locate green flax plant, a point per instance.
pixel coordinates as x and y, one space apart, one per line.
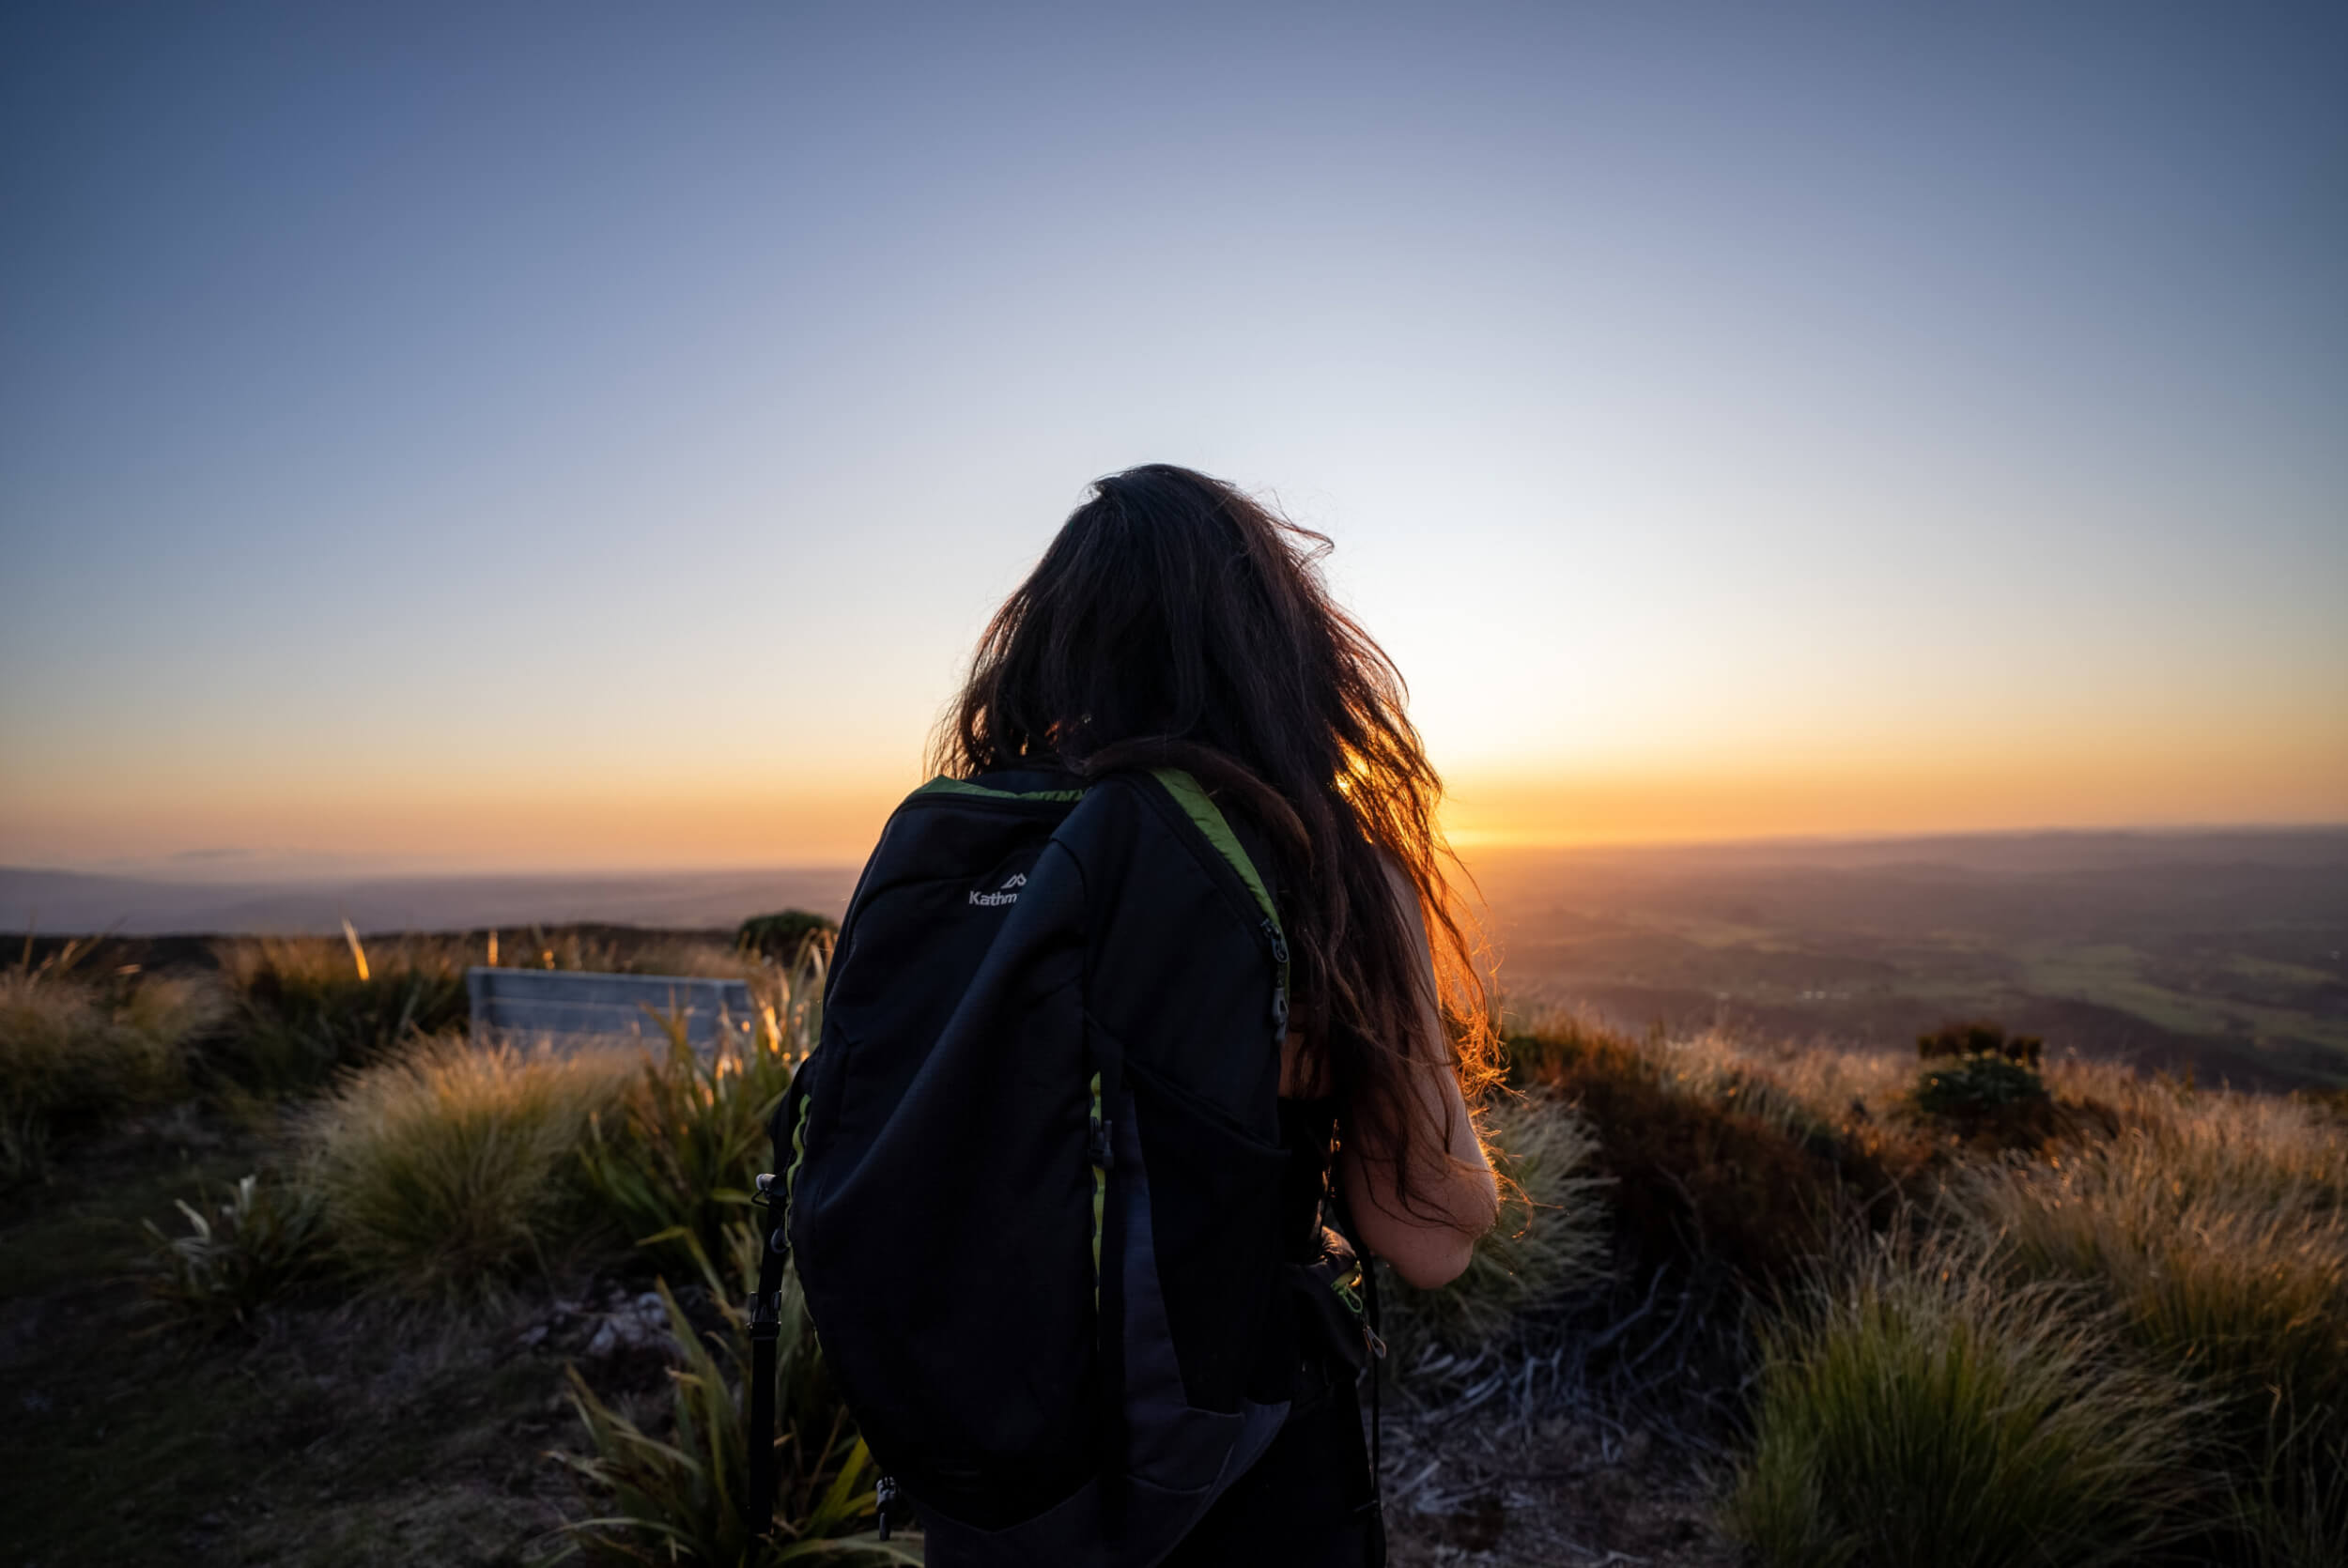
237 1254
678 1496
674 1161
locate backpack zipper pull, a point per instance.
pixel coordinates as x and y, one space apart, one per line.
884 1498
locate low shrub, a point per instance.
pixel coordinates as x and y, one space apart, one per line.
1549 1243
1980 1037
311 1008
1987 1096
786 936
74 1049
446 1169
262 1240
678 1496
1927 1412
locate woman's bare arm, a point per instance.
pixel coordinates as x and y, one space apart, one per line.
1430 1242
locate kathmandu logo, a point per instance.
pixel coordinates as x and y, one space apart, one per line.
1004 894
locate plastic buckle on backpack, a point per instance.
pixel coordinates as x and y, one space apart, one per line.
1097 1145
765 1319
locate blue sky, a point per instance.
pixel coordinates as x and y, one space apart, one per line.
563 435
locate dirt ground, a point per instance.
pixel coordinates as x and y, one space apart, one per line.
358 1434
1562 1492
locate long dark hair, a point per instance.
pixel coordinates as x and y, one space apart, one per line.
1176 620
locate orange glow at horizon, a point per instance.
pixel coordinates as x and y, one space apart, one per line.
651 821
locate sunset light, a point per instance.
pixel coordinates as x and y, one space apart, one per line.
1728 433
1247 784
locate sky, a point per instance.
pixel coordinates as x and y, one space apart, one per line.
566 437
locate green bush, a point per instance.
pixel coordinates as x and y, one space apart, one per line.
1550 1242
1980 1037
678 1496
1928 1412
1986 1095
786 936
261 1242
309 1008
446 1170
75 1049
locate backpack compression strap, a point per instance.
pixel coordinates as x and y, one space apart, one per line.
765 1324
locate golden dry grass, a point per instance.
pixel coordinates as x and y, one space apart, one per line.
446 1171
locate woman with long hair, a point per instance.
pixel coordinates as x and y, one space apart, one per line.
1176 623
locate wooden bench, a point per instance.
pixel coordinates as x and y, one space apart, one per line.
566 1006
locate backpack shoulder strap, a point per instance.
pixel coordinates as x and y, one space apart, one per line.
1199 807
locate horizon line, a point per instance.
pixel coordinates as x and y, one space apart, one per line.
163 870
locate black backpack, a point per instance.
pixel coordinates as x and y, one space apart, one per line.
1032 1172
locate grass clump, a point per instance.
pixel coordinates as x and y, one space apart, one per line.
2226 1259
446 1170
678 1496
311 1008
1926 1412
1550 1242
75 1049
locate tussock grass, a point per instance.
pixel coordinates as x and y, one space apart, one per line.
75 1048
2219 1242
1923 1410
1549 1243
446 1170
1799 1090
311 1008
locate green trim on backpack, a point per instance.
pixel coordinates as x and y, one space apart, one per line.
944 785
798 1158
1202 808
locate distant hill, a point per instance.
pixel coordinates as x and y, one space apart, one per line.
2221 953
67 901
